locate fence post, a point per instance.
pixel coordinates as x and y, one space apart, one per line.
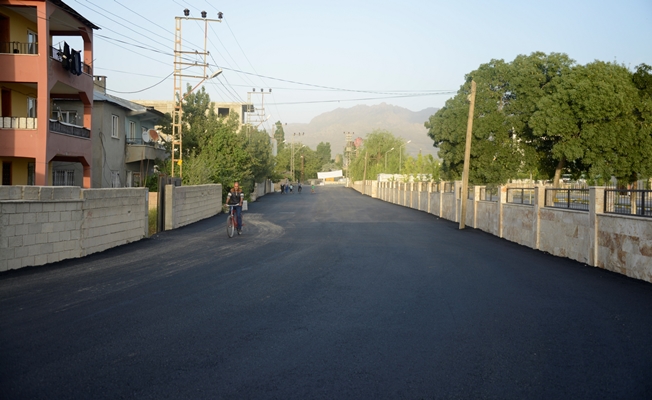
476 198
458 200
502 193
596 207
539 204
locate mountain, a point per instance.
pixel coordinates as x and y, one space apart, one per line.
362 119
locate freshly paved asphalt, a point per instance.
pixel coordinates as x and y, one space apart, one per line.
333 295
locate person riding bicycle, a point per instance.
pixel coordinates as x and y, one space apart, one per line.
235 199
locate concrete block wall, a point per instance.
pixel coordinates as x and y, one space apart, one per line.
113 217
620 243
39 225
188 204
42 224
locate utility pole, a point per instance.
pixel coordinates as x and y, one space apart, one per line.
256 115
348 149
364 176
292 152
467 157
179 65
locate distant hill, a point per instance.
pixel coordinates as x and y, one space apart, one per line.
362 119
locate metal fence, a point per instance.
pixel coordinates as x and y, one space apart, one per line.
575 199
489 193
520 196
630 202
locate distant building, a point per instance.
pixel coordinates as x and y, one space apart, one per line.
221 109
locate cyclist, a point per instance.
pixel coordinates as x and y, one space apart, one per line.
235 198
299 189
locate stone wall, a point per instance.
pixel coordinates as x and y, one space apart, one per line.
620 243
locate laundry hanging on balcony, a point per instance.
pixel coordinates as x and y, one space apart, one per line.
71 59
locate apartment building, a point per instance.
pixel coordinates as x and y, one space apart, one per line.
33 72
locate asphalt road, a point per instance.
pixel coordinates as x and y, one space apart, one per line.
333 295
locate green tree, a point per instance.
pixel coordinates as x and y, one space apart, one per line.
279 135
324 152
590 120
421 167
377 146
502 144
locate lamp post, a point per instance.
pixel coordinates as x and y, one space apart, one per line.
386 157
400 154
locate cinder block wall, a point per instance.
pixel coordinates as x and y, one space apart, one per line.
187 204
113 217
41 224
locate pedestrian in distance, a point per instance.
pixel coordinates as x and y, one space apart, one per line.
282 188
299 189
291 187
312 188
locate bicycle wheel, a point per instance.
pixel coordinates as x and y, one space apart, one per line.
230 226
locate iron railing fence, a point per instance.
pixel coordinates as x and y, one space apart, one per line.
520 196
489 193
630 202
62 127
574 199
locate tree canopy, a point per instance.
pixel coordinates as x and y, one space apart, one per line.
541 115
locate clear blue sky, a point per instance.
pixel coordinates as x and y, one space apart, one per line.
368 48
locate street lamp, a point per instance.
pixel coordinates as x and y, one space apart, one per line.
386 158
400 154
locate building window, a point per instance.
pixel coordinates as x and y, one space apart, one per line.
114 126
6 173
63 178
31 107
69 117
31 173
223 112
115 179
32 42
132 132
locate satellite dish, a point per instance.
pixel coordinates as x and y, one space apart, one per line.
146 137
153 135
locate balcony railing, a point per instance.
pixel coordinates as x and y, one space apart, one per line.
140 141
68 129
18 48
17 123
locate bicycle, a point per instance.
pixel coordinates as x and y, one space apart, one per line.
232 221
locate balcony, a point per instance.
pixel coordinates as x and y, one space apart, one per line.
17 123
138 150
18 48
69 129
57 55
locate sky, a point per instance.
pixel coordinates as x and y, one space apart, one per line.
319 56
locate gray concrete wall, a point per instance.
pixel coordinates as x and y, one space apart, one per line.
187 204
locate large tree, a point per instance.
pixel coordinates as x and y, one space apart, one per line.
377 145
590 122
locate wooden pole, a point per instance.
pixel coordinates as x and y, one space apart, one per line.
364 175
467 157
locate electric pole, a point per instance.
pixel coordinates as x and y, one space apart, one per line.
467 157
179 65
